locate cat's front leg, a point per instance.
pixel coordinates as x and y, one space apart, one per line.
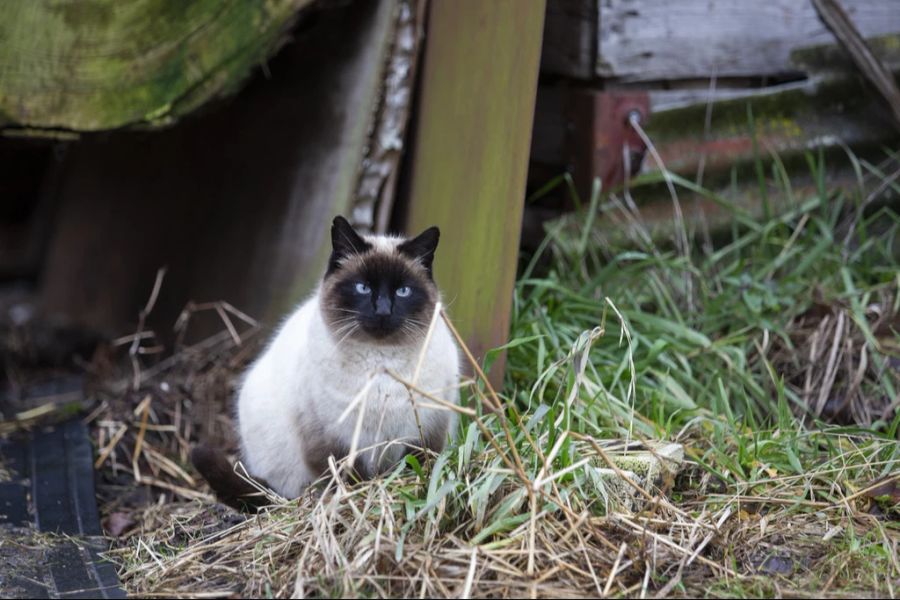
433 437
319 446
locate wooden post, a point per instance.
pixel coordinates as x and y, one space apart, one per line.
470 155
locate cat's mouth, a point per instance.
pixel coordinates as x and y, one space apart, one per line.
385 329
380 329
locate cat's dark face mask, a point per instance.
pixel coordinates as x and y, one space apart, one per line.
384 295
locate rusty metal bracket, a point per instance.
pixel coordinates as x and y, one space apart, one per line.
598 136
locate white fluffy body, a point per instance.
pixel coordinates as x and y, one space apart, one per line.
305 381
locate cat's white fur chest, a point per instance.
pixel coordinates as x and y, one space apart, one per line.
296 392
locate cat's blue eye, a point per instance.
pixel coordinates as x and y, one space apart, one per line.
362 288
404 292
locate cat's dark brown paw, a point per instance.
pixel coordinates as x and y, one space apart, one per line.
230 488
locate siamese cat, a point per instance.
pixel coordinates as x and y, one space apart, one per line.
337 355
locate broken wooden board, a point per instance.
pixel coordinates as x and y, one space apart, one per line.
833 109
104 64
470 155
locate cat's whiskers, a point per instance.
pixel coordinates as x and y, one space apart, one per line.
340 329
412 331
339 323
339 333
346 327
354 327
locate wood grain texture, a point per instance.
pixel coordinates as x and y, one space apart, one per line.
99 64
820 63
788 121
470 156
645 40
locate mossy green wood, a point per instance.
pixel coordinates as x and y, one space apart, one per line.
471 150
88 65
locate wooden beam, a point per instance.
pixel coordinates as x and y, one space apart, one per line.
105 64
470 154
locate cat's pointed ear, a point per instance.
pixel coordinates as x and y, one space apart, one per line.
422 247
344 242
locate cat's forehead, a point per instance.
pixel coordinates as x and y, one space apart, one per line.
383 243
381 263
382 260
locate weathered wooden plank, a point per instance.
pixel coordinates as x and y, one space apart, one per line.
827 110
709 91
101 64
716 146
819 62
645 40
787 121
470 154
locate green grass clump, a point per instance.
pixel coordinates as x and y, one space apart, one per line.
770 352
712 331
